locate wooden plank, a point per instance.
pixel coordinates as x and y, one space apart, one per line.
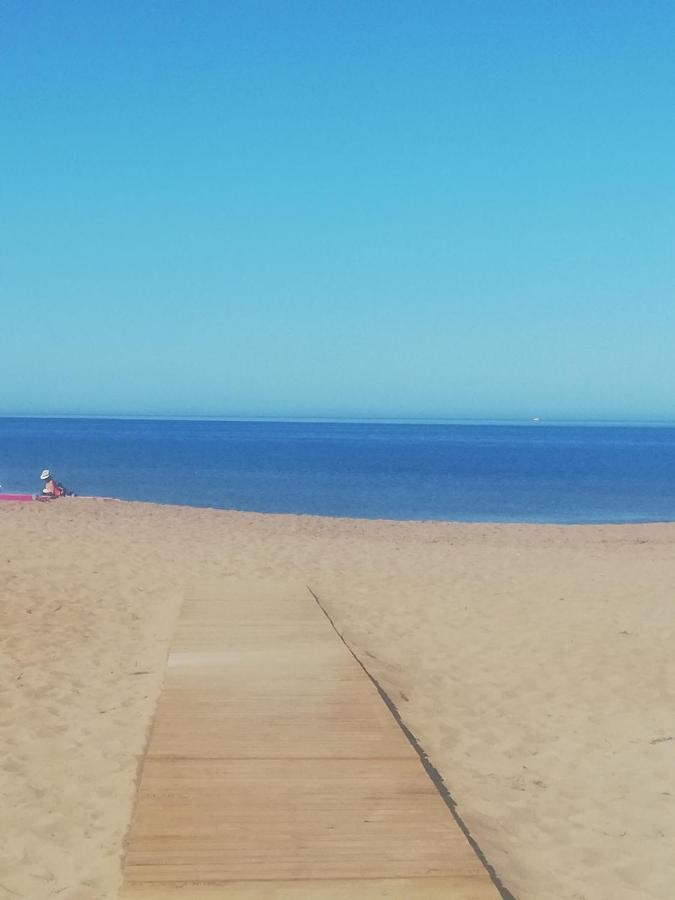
301 818
315 700
275 770
265 727
427 888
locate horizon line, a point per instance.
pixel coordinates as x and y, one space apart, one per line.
384 420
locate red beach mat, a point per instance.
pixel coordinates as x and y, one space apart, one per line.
18 498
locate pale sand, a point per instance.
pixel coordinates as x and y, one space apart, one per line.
533 663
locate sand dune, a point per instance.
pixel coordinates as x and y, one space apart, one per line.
534 664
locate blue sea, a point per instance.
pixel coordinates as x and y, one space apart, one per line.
483 472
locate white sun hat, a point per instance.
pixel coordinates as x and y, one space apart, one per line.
45 475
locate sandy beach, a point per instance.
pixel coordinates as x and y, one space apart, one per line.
533 663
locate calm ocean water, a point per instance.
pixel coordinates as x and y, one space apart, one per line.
481 472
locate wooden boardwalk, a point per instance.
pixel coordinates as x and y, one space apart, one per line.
275 770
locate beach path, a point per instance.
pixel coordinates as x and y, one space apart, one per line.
275 770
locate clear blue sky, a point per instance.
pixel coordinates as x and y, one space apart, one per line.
447 209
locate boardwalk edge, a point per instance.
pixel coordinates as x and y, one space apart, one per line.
431 770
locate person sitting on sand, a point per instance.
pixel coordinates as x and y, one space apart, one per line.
51 487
